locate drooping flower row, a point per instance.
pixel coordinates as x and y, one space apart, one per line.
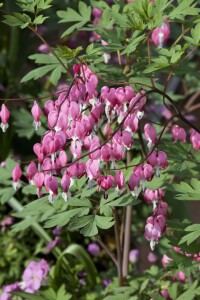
100 127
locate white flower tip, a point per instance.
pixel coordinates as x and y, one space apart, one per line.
16 185
4 127
36 125
66 196
152 245
140 114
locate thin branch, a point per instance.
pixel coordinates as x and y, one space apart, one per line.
192 100
118 245
51 49
107 250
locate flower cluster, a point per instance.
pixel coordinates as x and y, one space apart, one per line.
156 224
74 121
32 279
34 275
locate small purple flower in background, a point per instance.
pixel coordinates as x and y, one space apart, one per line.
134 256
6 222
33 276
8 288
82 281
106 282
57 230
93 249
152 258
52 244
43 48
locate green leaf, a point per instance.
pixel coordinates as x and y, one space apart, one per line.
62 294
55 75
38 73
43 5
156 182
39 20
79 202
6 172
195 32
104 222
67 53
186 7
133 45
23 121
144 285
193 290
70 15
173 290
51 65
6 194
28 296
23 224
188 191
91 228
192 236
81 255
17 19
124 201
29 190
63 218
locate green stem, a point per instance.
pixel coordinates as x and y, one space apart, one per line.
118 245
51 49
127 231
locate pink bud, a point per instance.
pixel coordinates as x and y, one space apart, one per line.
165 260
178 134
152 234
36 113
105 152
76 149
120 179
160 35
47 167
180 275
4 115
129 91
195 139
38 149
158 160
161 209
106 182
134 182
76 68
150 135
51 185
96 12
65 182
165 294
39 180
16 175
31 171
49 106
154 228
92 169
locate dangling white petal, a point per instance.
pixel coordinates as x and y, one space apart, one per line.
140 114
152 245
66 196
36 124
4 127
